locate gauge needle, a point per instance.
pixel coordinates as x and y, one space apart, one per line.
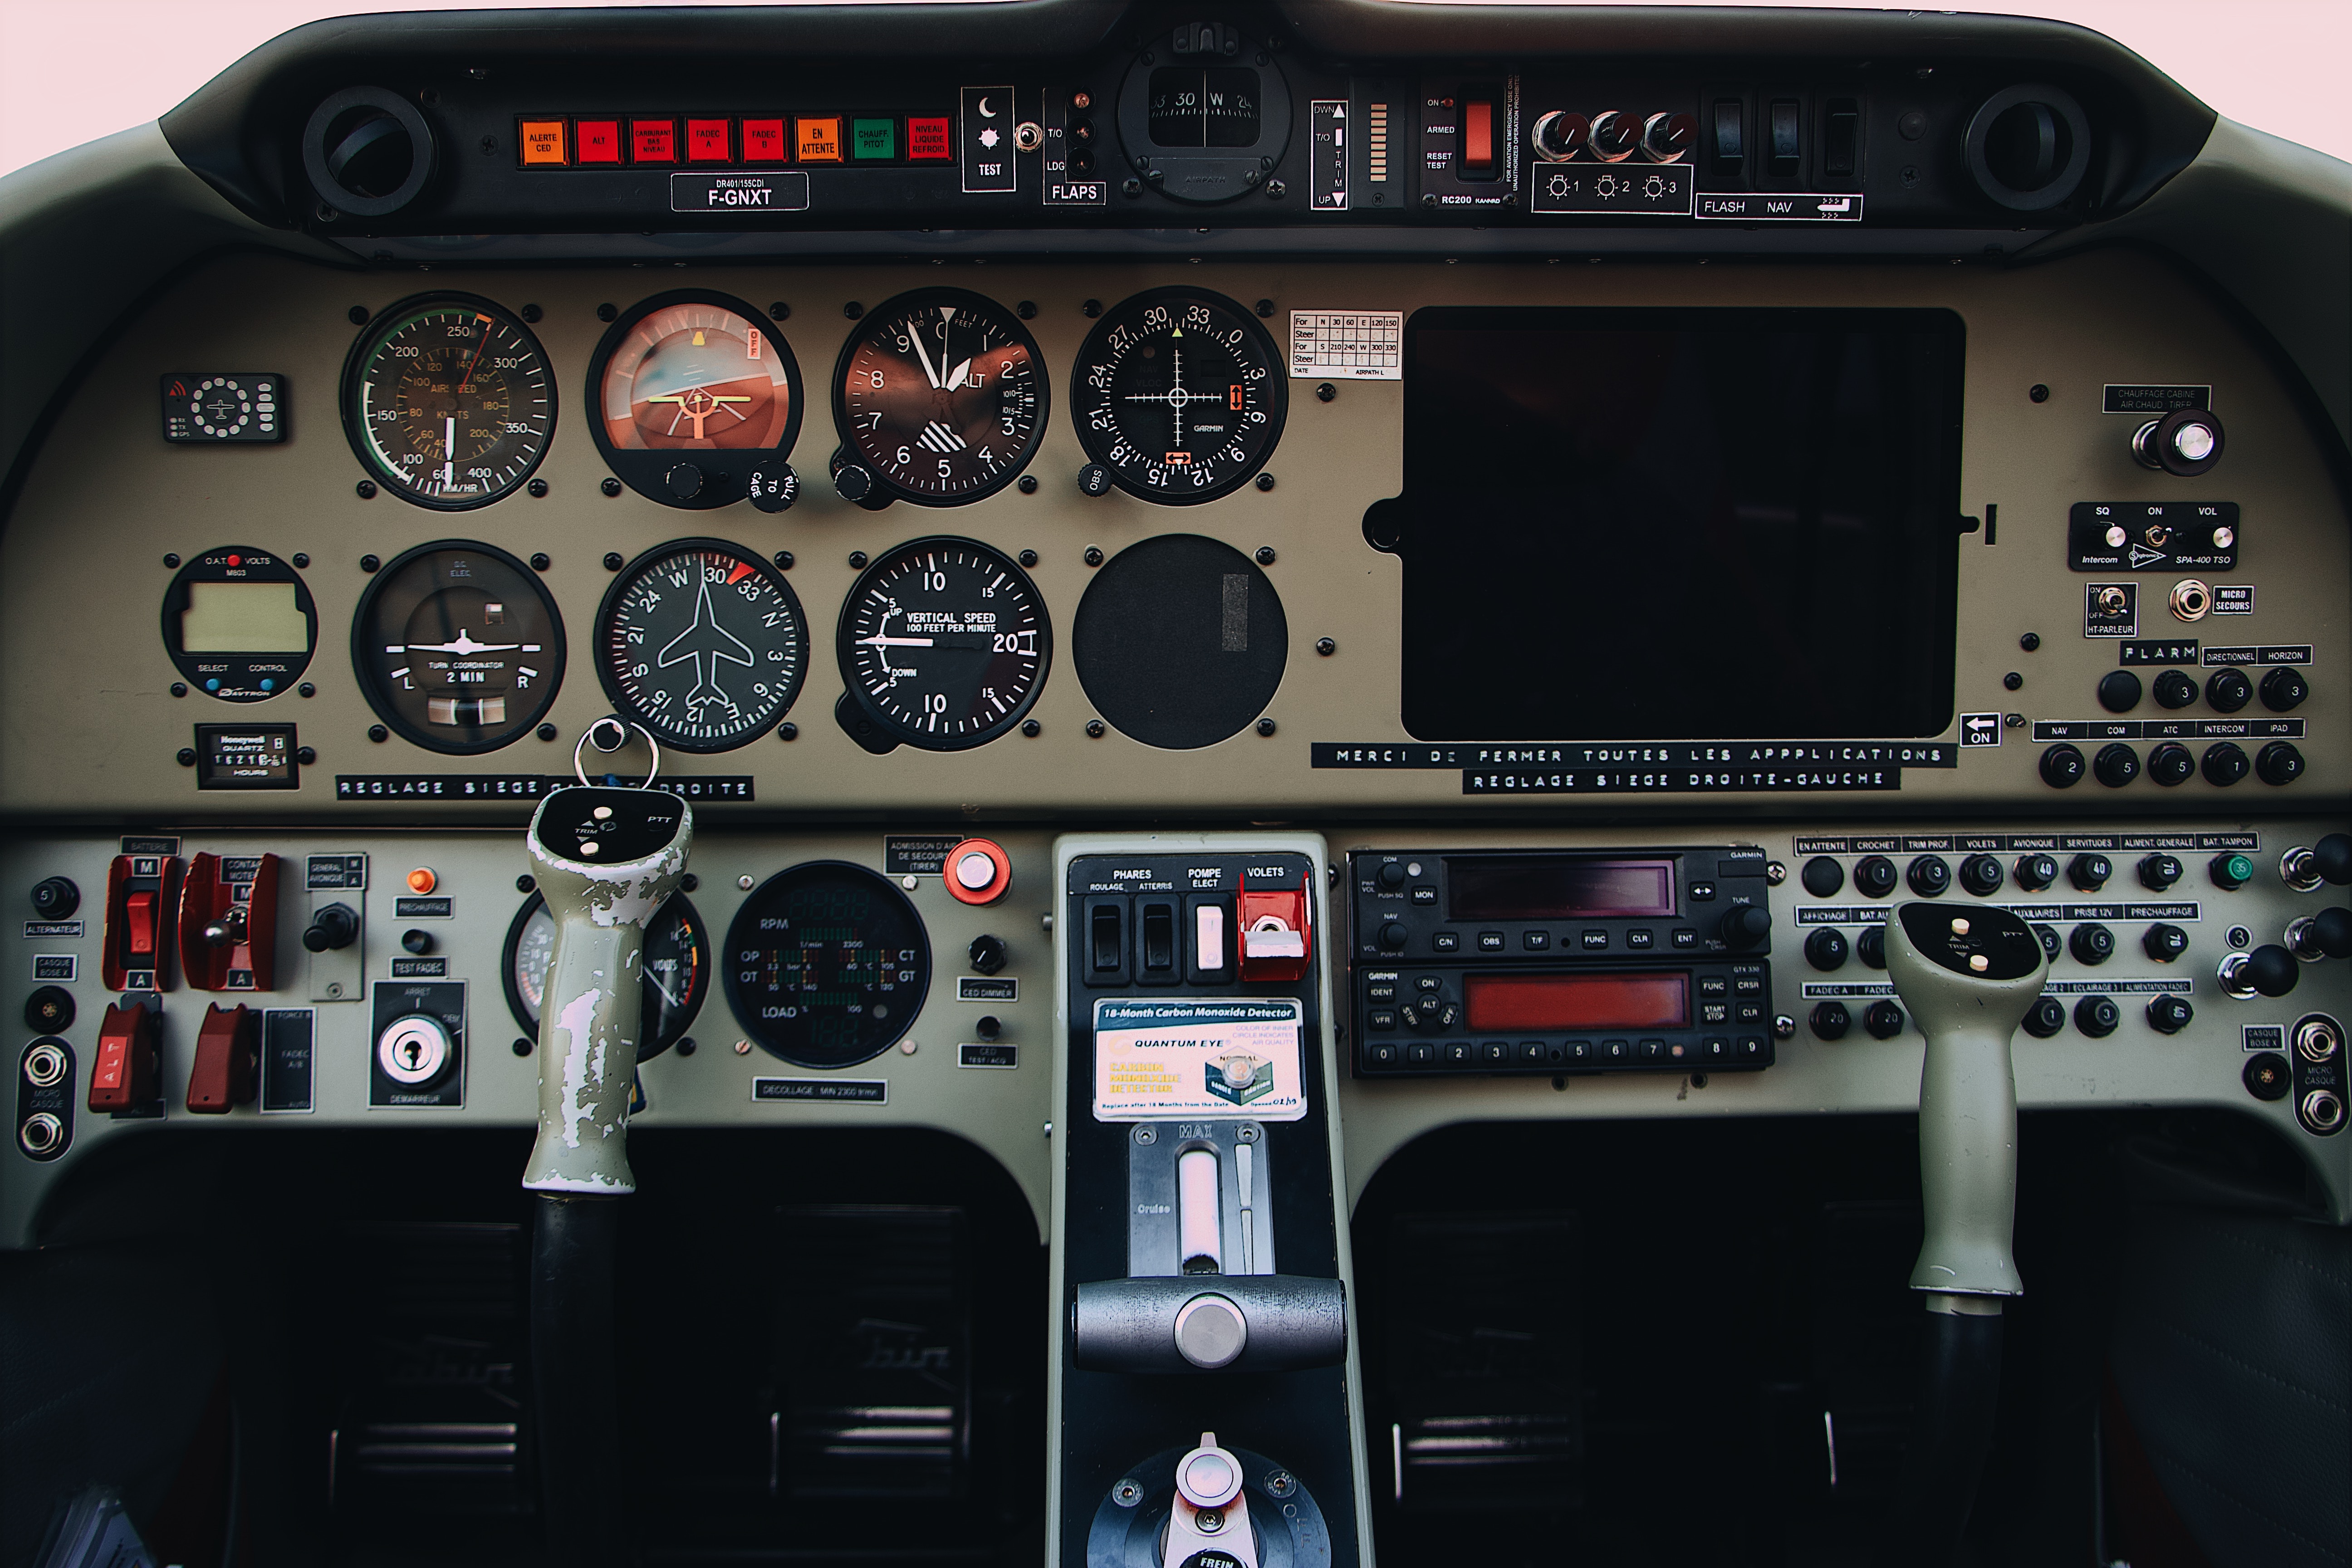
482 341
898 642
924 354
449 450
957 379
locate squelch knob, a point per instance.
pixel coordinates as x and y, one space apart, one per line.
334 927
1745 925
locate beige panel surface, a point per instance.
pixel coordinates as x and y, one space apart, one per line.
90 730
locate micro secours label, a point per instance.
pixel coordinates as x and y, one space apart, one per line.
1169 1057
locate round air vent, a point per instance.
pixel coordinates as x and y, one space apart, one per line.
368 152
2029 146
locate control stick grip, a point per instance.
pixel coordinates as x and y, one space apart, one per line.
1968 978
605 860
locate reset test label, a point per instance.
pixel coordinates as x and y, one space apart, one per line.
1177 1056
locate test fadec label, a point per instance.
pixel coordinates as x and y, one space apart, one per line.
1161 1058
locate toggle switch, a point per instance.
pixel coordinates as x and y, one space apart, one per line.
139 925
1209 938
1158 958
228 922
123 1075
143 892
227 1062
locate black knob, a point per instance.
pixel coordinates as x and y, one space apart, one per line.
2035 872
2272 969
54 898
1393 935
684 481
988 1027
2266 1075
1392 875
987 953
1427 1013
2090 872
2227 690
2157 872
774 487
2225 763
2164 942
1870 946
1874 876
1883 1019
2169 1014
2280 763
2284 689
1982 875
2170 764
415 940
1823 877
2186 442
2173 690
853 482
1745 926
2120 692
1825 949
336 926
2047 1016
2062 766
2331 934
2091 942
2051 944
2098 1016
1614 134
1929 876
49 1010
1830 1020
2115 765
2332 858
1559 135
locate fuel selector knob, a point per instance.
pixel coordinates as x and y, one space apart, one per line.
1745 926
2186 443
1825 949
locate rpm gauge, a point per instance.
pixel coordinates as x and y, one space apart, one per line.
677 963
827 965
943 644
692 394
457 647
940 397
447 401
703 643
1180 395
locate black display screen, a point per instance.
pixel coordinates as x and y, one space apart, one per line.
1678 524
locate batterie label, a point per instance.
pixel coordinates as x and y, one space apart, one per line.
1157 1058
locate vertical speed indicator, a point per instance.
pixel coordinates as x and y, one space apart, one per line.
1180 395
943 645
447 401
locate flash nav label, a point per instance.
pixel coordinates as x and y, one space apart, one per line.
785 192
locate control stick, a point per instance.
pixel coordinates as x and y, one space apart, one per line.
605 859
1968 978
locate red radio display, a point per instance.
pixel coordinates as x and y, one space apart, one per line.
1553 1004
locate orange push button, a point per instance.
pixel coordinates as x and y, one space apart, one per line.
764 141
543 144
820 140
707 141
423 880
599 140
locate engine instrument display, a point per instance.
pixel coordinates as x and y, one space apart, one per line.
677 963
457 647
943 645
239 624
447 401
940 397
1180 395
827 965
691 393
703 643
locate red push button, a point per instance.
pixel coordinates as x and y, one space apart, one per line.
707 141
599 140
978 872
764 141
929 141
227 1057
653 141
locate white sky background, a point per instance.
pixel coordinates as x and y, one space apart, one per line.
72 70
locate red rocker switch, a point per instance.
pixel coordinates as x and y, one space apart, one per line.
228 922
1275 942
228 1054
142 895
123 1078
